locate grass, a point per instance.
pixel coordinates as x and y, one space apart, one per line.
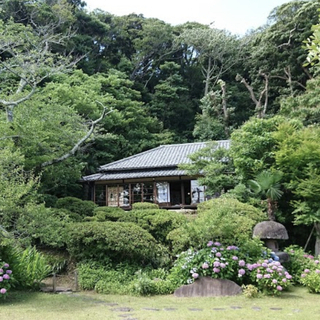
296 304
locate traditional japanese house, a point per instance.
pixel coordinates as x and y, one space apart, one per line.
151 176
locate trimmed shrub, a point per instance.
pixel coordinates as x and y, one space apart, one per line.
76 205
108 214
118 241
225 220
159 223
144 206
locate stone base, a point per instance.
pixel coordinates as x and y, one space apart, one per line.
208 287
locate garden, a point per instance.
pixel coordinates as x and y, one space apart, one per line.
151 252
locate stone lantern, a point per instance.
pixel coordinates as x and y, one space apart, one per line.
270 232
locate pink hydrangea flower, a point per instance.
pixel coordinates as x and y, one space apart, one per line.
235 258
3 290
218 254
195 275
279 288
259 276
6 276
274 281
216 270
205 266
216 264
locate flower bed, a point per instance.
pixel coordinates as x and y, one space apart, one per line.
232 263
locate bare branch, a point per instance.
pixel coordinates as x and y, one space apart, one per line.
77 146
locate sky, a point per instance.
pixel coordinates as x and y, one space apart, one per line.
237 16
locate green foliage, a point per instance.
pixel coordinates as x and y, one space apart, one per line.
145 285
214 166
104 279
118 241
81 207
28 265
253 146
144 206
250 291
159 223
221 219
107 214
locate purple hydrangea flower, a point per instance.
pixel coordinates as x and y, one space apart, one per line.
235 258
216 264
218 254
8 271
259 276
306 270
242 263
210 243
6 265
222 265
279 288
3 291
195 275
241 272
218 244
267 276
6 276
1 271
216 270
274 281
1 279
205 266
284 280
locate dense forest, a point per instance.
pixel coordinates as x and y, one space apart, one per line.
79 89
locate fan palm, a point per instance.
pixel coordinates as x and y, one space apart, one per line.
267 185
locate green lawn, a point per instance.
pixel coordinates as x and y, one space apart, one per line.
296 304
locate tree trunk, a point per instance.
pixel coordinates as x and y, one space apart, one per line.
317 245
271 209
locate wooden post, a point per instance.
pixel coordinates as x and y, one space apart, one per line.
54 283
76 280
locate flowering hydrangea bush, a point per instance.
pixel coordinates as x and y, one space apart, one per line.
5 277
270 276
299 261
310 277
232 263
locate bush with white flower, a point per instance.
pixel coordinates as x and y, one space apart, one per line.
5 278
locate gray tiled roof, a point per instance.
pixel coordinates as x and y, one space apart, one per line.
160 157
160 161
134 174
